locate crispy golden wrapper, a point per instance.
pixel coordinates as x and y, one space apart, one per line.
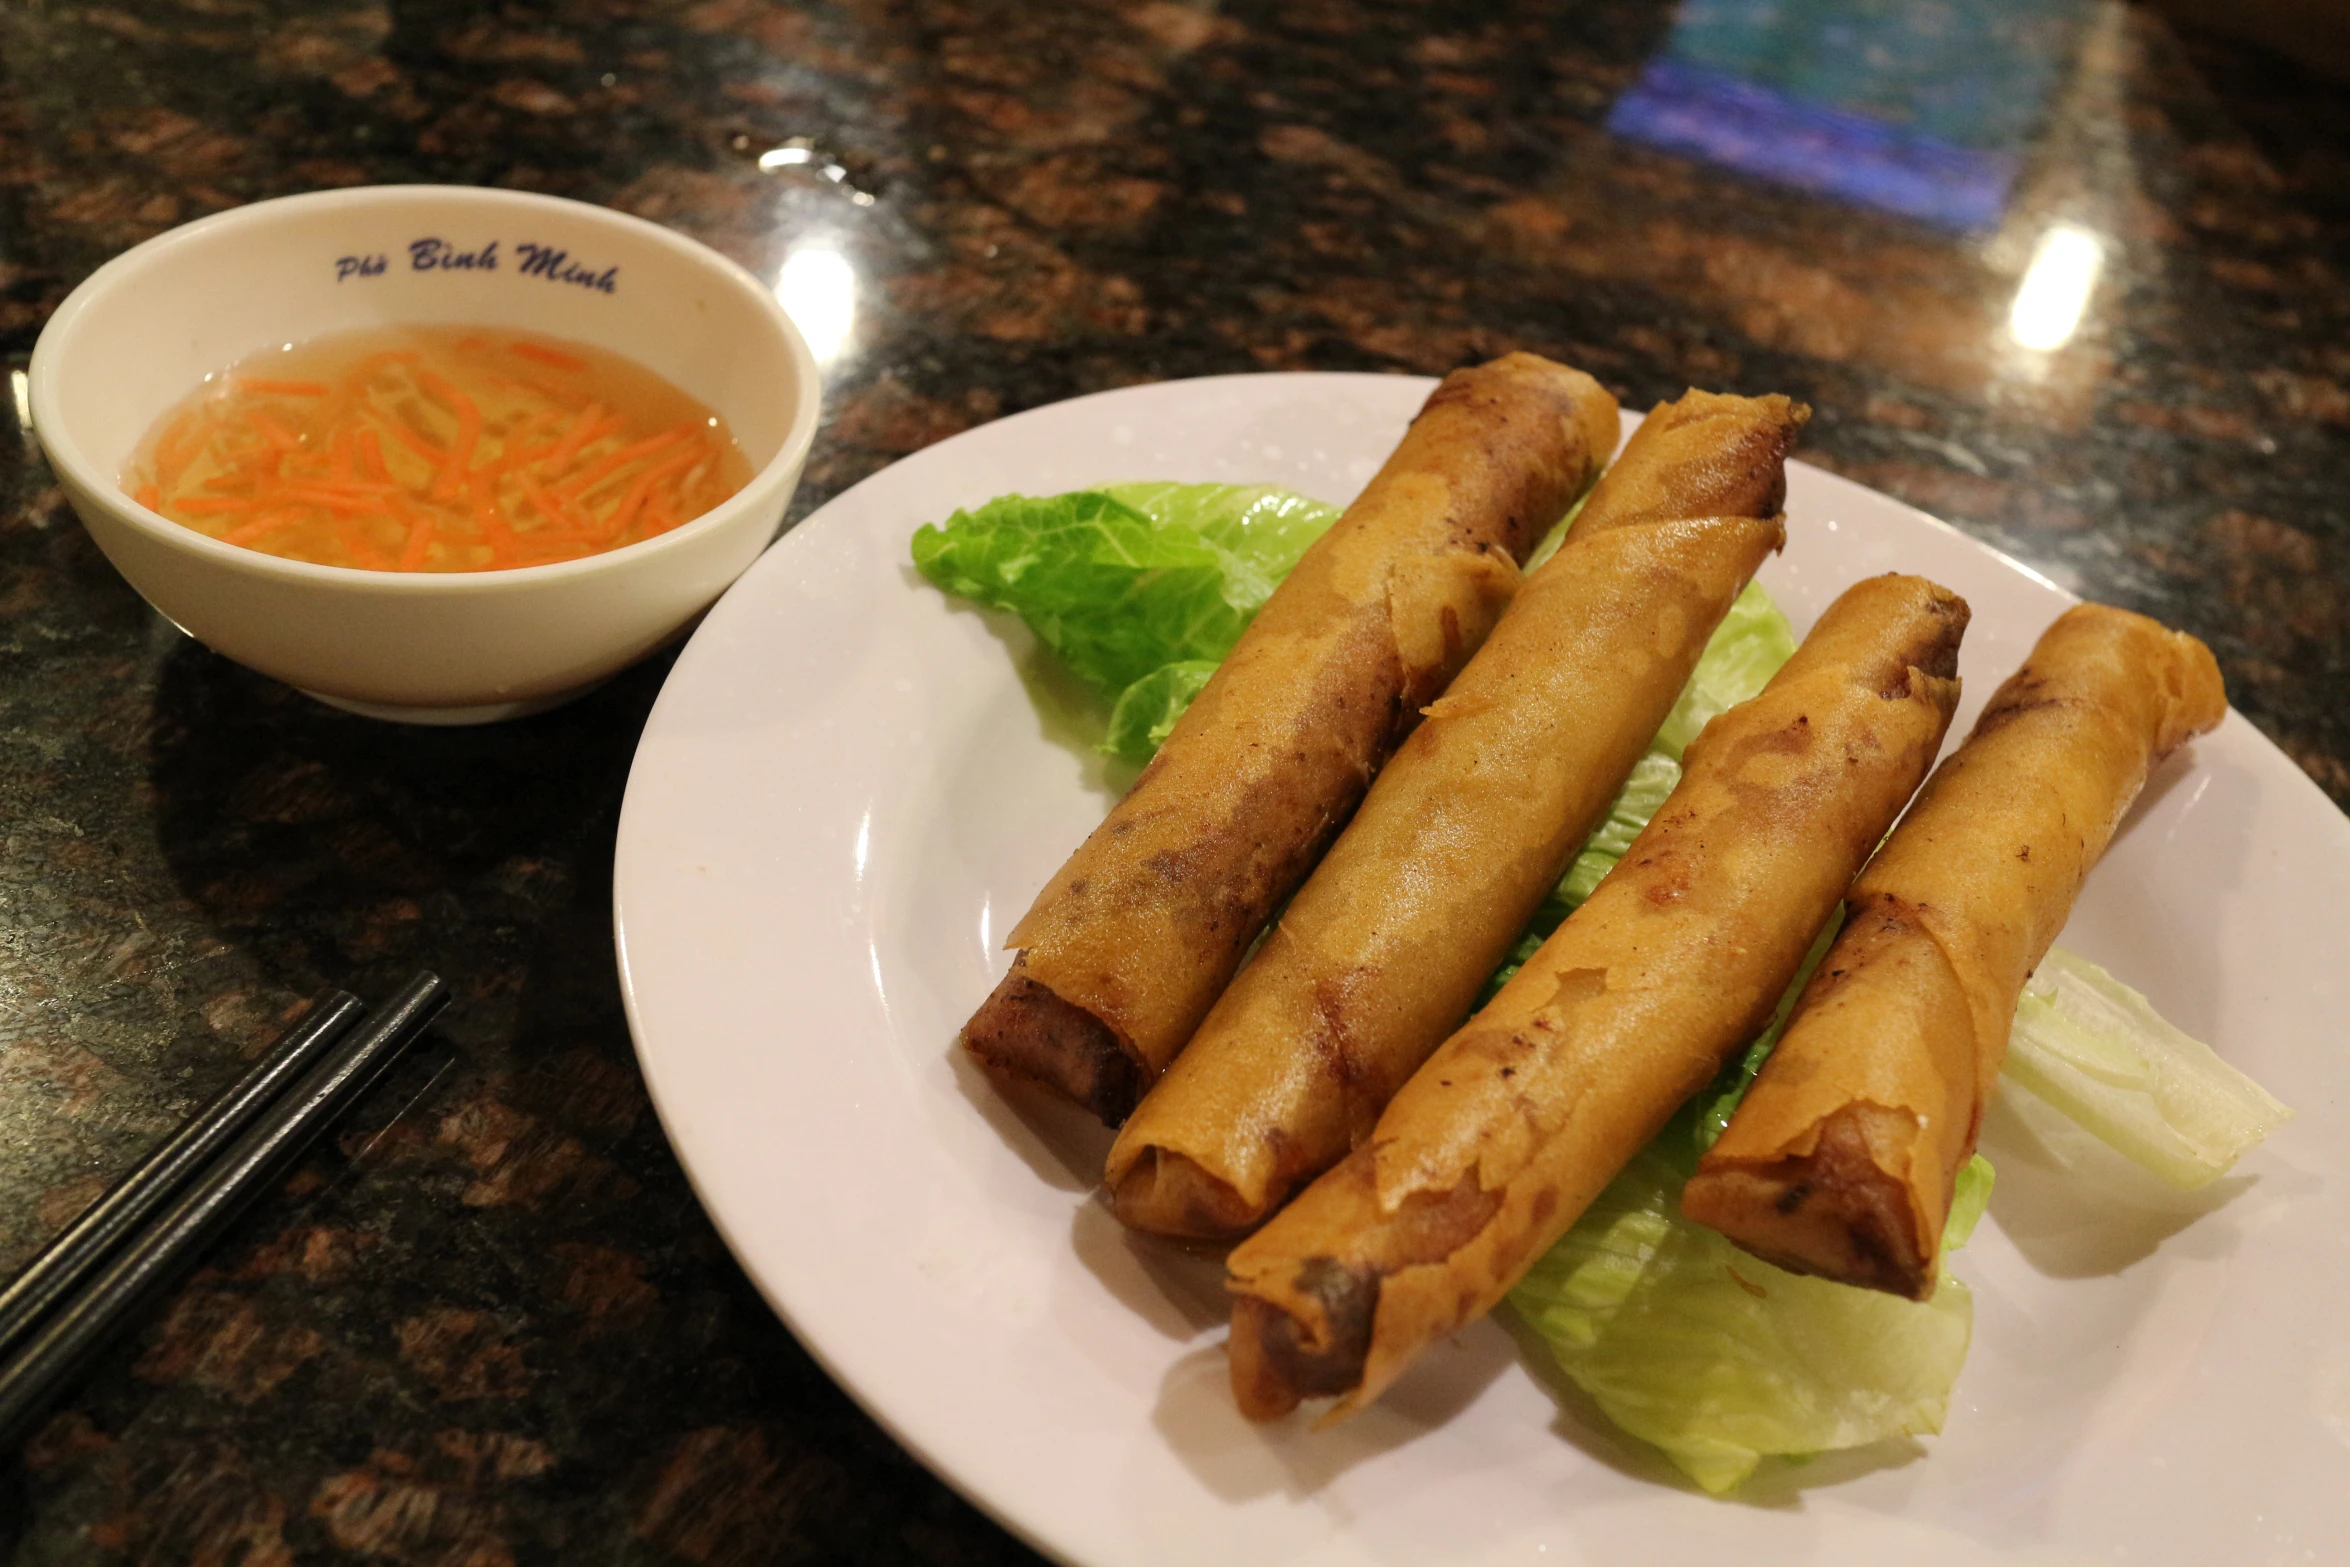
1127 947
1476 818
1841 1159
1501 1140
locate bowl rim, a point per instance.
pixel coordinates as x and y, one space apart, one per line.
64 453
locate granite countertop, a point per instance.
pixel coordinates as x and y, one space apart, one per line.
492 1325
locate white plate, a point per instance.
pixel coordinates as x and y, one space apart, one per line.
844 798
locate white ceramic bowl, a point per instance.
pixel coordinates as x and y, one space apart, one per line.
146 328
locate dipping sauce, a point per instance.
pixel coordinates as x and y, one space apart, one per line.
436 448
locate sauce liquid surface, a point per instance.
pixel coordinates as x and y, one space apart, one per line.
436 448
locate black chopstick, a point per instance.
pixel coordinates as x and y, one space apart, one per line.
87 1242
146 1262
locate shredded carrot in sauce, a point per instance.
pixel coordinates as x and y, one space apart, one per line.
548 356
436 449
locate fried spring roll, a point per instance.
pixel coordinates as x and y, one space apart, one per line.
1382 952
1126 948
1841 1159
1501 1140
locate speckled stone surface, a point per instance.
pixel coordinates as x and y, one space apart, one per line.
492 1326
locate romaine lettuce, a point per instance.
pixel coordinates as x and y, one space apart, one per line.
2098 1051
1746 649
1139 588
1719 1102
1720 1359
1145 712
1260 531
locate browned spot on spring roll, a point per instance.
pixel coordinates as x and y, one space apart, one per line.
1476 818
1027 1030
1841 1159
1501 1140
1144 925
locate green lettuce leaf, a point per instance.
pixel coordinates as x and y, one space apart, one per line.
1653 778
1145 712
1970 1196
1124 582
1747 648
1259 531
1720 1359
2097 1050
1720 1101
1548 544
